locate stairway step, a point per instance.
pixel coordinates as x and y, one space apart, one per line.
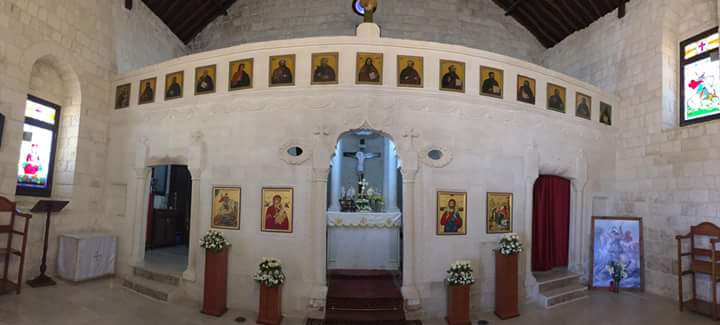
362 274
157 276
567 280
372 317
153 289
561 296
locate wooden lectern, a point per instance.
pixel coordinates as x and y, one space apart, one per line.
47 206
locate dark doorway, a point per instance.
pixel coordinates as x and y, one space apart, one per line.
168 222
551 223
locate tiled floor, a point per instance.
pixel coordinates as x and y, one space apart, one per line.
104 302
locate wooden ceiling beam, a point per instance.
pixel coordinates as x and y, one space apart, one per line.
551 13
621 9
514 5
534 27
570 14
582 10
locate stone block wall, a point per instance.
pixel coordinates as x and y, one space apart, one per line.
666 174
66 51
477 24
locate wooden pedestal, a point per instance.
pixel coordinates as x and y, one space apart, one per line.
458 305
270 308
215 293
506 286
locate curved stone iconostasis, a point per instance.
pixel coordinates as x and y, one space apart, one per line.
241 138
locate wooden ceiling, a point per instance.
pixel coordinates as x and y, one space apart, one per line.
187 18
551 21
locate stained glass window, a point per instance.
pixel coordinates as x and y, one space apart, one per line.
700 78
37 150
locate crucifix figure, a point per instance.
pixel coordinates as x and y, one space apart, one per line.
361 156
369 7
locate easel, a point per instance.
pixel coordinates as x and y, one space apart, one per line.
47 206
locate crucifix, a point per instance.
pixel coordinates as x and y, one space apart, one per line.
361 156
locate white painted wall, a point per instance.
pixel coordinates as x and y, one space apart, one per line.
225 138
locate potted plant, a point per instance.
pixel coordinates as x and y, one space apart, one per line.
270 277
216 268
618 273
506 276
459 279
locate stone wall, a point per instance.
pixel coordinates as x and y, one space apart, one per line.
477 24
66 51
140 38
666 174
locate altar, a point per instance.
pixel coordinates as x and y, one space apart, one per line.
364 240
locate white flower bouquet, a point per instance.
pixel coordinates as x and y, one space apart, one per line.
214 240
460 273
510 245
270 273
616 271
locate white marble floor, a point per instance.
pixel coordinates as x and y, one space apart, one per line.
105 302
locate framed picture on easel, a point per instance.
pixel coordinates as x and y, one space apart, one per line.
617 241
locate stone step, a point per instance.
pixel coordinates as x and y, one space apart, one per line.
153 289
166 278
562 281
560 296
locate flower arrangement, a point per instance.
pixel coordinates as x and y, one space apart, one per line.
460 273
270 273
214 240
617 271
510 245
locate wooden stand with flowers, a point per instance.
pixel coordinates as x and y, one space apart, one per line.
216 269
271 277
506 277
458 303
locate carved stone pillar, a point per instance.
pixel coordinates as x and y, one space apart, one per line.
318 232
335 178
532 172
410 292
195 231
390 184
141 196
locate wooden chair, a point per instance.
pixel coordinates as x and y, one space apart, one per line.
703 261
7 286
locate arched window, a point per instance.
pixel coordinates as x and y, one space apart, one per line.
37 151
700 78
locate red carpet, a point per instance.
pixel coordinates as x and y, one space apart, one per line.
364 297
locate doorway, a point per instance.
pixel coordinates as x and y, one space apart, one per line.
363 214
168 219
550 223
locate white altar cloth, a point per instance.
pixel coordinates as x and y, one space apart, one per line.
364 219
85 256
364 241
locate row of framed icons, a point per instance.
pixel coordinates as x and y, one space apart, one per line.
369 70
277 210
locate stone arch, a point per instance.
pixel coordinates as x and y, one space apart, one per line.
50 56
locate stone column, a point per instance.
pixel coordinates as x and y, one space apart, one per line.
318 233
390 184
532 172
195 231
335 178
142 183
410 292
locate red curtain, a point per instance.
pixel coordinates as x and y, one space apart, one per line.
551 223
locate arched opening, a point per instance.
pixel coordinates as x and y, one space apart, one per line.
167 234
551 223
364 228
